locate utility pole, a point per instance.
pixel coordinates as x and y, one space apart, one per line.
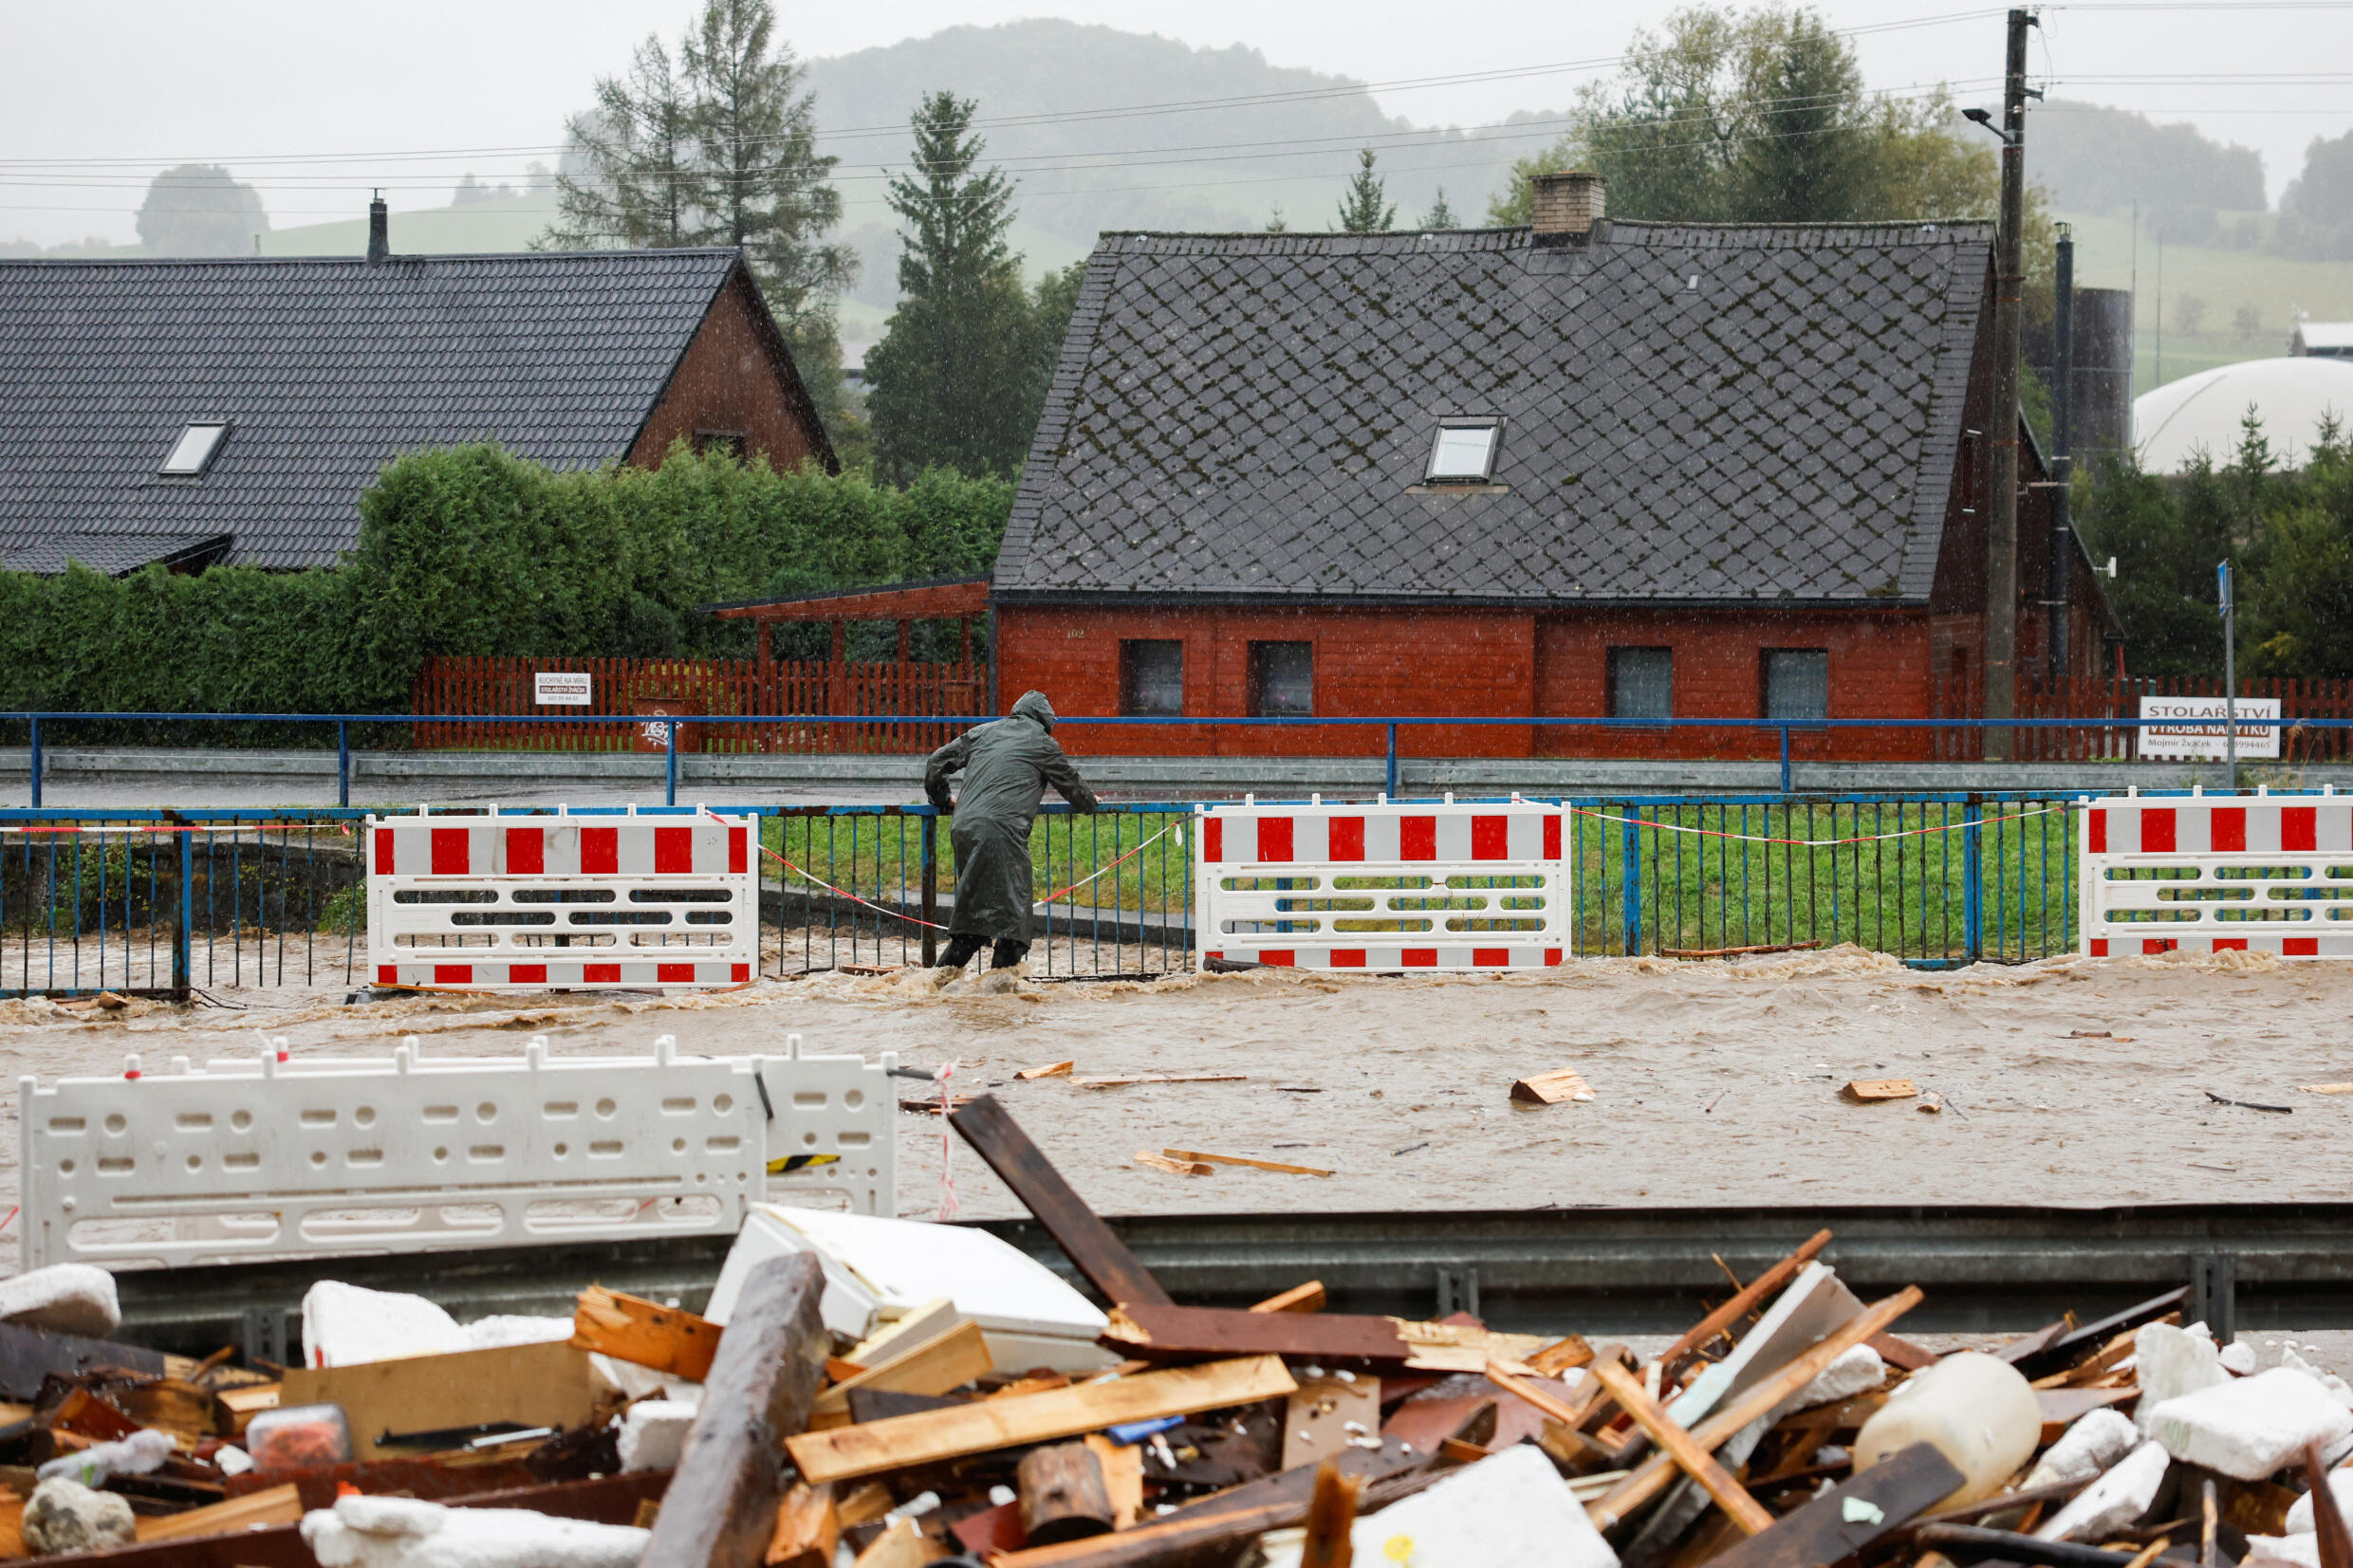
2001 656
2060 576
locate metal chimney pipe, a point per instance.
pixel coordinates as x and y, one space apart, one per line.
379 231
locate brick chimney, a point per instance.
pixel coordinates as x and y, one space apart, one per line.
1567 206
379 232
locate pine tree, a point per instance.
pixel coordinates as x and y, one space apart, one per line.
1367 209
634 144
1439 215
1278 224
961 373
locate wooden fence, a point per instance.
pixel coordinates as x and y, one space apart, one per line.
640 696
2108 697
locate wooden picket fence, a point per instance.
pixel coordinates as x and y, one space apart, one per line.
639 696
2108 697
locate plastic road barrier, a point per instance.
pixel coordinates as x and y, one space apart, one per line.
587 901
1382 886
401 1153
2208 873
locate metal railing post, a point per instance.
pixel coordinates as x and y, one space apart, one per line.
1973 877
931 888
33 755
1632 888
183 966
1784 759
1391 775
670 748
342 761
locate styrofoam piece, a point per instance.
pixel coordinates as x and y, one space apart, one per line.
500 1330
64 1298
2301 1549
2114 1501
1265 877
652 1433
2243 872
2251 1426
2169 1362
407 1153
2239 1357
1855 1371
2095 1440
2338 1388
2300 1512
880 1269
398 1532
582 900
345 1325
139 1453
1511 1511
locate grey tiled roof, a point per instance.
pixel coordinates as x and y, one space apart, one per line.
326 369
111 553
1248 416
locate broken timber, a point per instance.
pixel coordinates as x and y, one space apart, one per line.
1182 1333
630 1328
1107 1264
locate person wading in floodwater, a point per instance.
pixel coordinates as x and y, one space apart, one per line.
1006 766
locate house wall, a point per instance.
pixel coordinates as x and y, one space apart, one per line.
1469 663
729 382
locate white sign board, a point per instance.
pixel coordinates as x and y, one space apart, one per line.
556 688
2192 726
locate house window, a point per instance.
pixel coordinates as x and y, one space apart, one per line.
1282 680
709 442
1464 452
1642 683
1797 684
1151 678
194 451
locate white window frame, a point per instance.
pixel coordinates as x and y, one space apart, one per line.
1493 424
169 468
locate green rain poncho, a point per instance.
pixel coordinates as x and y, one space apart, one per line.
1006 766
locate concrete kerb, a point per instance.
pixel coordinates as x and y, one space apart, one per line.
130 775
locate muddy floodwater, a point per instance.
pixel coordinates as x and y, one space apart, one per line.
2076 1082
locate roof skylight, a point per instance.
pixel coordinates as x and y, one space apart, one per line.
194 451
1465 451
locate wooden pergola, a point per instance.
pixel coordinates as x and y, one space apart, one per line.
957 599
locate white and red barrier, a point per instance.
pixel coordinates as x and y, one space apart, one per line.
1383 886
581 901
2212 873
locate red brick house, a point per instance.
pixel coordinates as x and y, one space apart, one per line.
1588 469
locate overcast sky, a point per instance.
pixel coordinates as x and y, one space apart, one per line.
484 84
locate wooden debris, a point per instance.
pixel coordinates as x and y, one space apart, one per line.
1867 1090
1846 1519
2329 1089
807 1528
1930 1103
1565 1083
629 1328
901 1546
928 1321
1717 1323
1176 1333
1062 1494
2336 1540
1562 1356
868 969
931 1107
1123 1477
1197 1158
541 1385
721 1509
276 1505
1323 1415
945 1362
1739 952
1331 1519
1175 1167
877 1446
1306 1298
1056 1069
1694 1461
1089 1243
1158 1078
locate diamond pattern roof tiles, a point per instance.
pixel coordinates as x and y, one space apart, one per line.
1250 415
326 369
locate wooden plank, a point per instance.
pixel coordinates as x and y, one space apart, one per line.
1156 1332
1197 1155
720 1511
1902 1353
1089 1243
1052 1069
1758 1399
1158 1078
281 1505
1331 1518
1062 1494
1175 1167
991 1423
939 1364
1870 1089
1694 1461
1744 1301
630 1328
27 1355
807 1529
541 1385
1564 1084
1123 1476
1306 1298
928 1321
1848 1518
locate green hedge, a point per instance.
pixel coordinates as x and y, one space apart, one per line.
470 550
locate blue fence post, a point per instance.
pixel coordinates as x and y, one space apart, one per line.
1784 759
931 888
183 966
1973 877
34 756
1392 774
1632 888
342 761
670 747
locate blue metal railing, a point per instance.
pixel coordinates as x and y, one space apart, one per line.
39 726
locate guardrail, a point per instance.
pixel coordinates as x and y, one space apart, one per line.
41 729
186 902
